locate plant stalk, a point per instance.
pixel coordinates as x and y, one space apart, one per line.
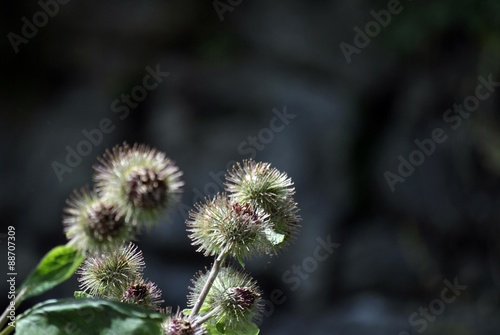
208 285
204 318
3 317
7 330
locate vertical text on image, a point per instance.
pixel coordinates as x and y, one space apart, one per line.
11 275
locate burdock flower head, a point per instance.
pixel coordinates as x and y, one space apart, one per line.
220 226
143 293
267 188
94 225
179 324
141 181
234 299
108 275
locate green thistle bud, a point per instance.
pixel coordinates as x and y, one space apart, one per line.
267 188
221 226
94 225
141 181
234 299
108 275
180 325
143 293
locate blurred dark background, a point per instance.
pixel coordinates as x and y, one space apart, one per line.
231 71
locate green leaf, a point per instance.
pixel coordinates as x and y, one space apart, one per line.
211 329
240 260
58 265
250 329
205 308
82 295
219 328
274 237
253 329
88 316
187 311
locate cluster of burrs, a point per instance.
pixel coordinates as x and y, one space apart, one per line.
134 186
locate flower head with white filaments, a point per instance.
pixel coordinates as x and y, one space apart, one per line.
108 275
94 225
265 187
220 226
134 187
144 293
141 181
234 299
179 324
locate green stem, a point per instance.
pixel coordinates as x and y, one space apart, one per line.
210 280
7 330
204 318
3 317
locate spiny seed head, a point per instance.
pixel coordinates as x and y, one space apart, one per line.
145 189
241 297
235 296
219 225
265 187
180 325
141 181
109 274
95 225
143 293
